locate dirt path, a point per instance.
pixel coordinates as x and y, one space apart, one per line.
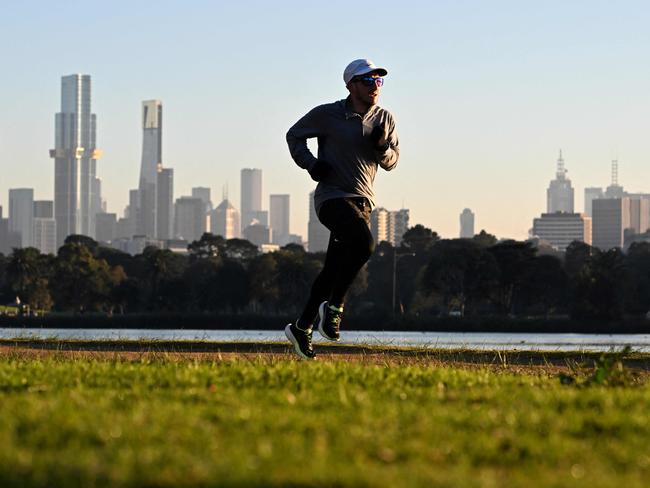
551 362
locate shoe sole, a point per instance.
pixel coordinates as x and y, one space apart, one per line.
294 341
321 319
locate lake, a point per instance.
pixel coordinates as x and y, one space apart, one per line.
433 340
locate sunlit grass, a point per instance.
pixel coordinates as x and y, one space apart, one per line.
164 420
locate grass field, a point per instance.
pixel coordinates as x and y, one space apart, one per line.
159 419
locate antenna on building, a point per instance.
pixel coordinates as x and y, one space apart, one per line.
224 192
561 170
614 172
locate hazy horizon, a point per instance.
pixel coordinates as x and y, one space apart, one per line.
484 96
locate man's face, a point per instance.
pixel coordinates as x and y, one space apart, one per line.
365 88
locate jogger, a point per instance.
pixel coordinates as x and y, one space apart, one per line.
354 136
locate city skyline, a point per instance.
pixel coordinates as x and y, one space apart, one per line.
482 102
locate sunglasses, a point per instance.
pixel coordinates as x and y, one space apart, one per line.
370 81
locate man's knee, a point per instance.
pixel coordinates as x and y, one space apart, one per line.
365 246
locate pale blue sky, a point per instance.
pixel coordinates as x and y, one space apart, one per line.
484 94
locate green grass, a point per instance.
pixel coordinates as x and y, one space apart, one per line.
163 420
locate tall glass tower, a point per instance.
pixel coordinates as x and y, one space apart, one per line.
75 160
150 164
251 197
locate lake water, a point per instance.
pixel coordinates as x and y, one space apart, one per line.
441 340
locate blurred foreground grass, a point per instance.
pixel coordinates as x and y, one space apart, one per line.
159 420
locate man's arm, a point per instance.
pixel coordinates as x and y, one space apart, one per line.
388 149
311 125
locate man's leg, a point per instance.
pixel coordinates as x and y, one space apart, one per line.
322 287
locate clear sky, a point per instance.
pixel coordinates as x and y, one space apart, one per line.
484 93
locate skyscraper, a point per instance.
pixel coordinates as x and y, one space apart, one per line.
204 194
400 220
467 224
75 160
279 207
44 238
379 225
591 194
150 163
165 204
317 234
189 218
224 220
251 196
389 225
611 218
559 196
21 214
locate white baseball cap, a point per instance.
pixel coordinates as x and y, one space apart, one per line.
361 67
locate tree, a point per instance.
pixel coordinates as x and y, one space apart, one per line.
81 282
263 282
484 239
90 243
461 272
162 273
419 240
637 264
28 272
544 288
241 249
598 289
512 258
296 271
208 246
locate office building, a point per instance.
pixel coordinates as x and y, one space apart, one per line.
380 225
258 234
400 220
75 159
8 240
611 218
389 226
44 236
251 197
466 224
561 229
150 162
21 214
559 196
591 194
189 218
165 203
224 220
106 227
203 193
317 234
279 207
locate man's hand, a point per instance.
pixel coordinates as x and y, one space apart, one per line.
378 138
320 170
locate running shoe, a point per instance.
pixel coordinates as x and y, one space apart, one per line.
329 321
301 340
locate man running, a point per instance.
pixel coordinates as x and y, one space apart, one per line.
355 136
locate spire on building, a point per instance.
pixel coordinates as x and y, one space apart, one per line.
561 170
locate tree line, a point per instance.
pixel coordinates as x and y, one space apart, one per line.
424 276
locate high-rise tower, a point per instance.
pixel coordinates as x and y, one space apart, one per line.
279 206
75 160
467 224
251 197
149 166
559 196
